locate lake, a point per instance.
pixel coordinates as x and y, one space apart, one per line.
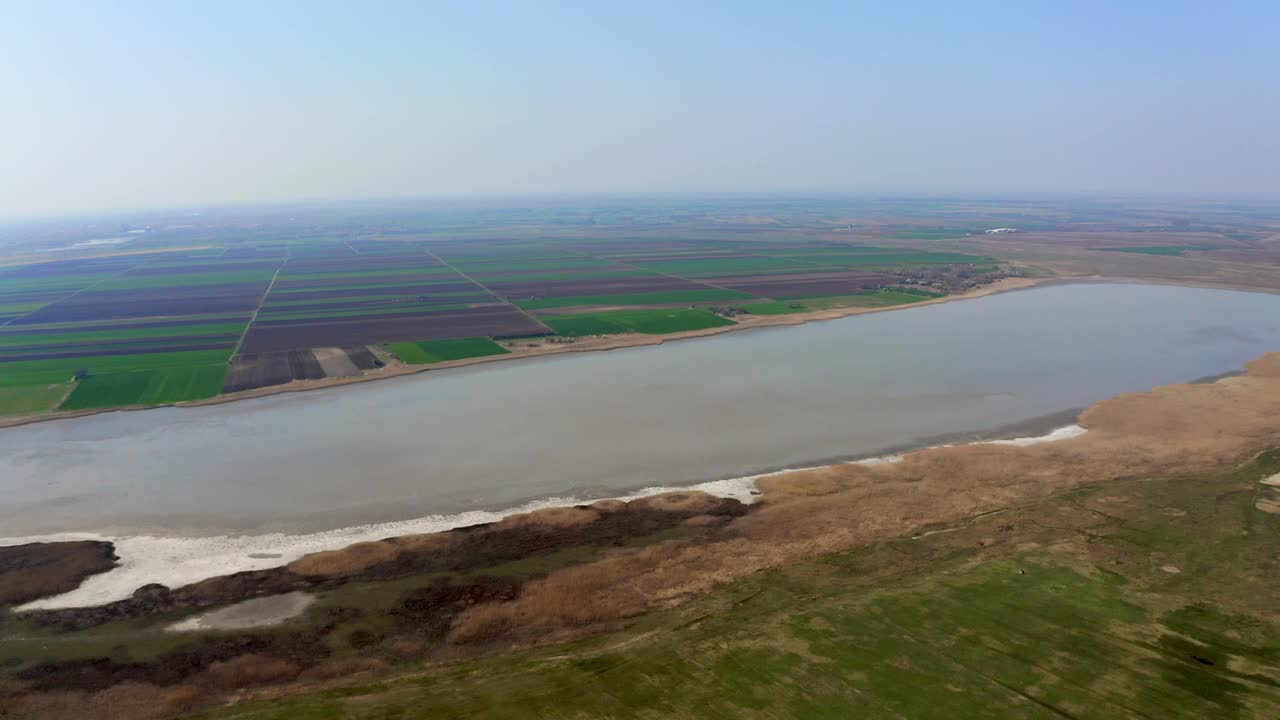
597 424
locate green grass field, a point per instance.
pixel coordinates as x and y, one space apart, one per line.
47 372
193 279
387 309
651 322
732 265
1169 250
710 295
1146 598
146 387
9 339
879 298
32 398
434 351
772 307
891 257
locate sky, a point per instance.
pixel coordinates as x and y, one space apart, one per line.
120 105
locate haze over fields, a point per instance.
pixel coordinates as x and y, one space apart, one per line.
150 104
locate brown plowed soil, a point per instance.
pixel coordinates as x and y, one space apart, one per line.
36 570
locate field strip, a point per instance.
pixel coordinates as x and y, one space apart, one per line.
487 289
621 263
258 309
68 297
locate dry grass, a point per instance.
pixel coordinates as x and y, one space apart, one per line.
248 670
1174 429
559 517
134 700
347 561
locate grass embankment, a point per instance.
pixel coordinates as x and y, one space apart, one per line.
434 351
1140 598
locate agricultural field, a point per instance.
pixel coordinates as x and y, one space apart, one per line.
239 307
649 322
434 351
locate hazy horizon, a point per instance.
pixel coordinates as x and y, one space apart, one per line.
149 106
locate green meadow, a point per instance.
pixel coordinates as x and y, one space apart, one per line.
656 321
434 351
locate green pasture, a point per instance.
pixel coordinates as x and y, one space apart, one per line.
434 351
670 297
146 387
651 322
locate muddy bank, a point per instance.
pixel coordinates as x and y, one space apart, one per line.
36 570
515 537
448 573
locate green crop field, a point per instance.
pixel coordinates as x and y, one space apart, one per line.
388 309
295 275
1171 250
506 265
710 295
47 372
773 307
109 390
434 351
284 292
895 258
879 298
10 339
301 302
146 387
732 265
32 398
135 282
582 325
652 322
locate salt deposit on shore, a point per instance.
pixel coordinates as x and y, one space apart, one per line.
178 561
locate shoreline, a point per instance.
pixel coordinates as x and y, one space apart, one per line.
177 560
620 342
601 344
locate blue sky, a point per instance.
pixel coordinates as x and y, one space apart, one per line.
133 104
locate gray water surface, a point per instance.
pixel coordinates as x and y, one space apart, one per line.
593 424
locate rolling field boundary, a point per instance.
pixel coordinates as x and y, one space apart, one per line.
68 296
487 289
622 263
254 316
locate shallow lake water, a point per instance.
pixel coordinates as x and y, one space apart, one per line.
597 424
